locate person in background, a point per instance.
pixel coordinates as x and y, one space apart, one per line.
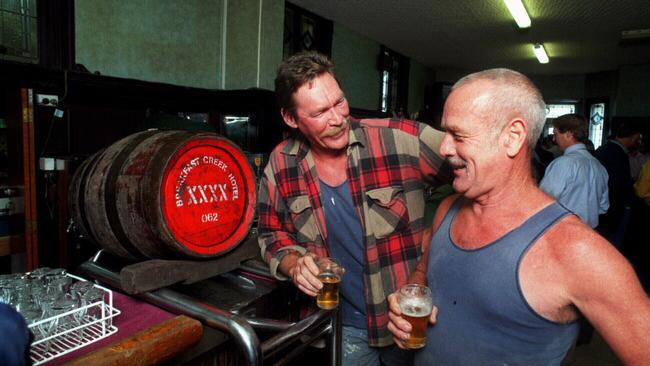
613 155
349 189
16 338
576 179
642 232
541 160
590 146
510 269
642 185
551 146
638 157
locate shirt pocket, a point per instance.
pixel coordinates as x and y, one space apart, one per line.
302 216
387 212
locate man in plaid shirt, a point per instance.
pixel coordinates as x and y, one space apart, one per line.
349 189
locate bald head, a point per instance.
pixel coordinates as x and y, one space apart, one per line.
506 94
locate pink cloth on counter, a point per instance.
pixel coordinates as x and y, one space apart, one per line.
136 315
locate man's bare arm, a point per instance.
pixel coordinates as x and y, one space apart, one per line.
604 287
396 324
419 274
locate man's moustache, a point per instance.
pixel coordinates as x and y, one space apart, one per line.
336 129
455 162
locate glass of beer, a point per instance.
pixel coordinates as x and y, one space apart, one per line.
416 304
329 273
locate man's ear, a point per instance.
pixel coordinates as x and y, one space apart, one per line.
288 118
515 134
573 138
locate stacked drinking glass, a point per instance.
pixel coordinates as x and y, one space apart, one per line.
52 302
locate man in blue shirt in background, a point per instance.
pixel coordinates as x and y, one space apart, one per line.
576 179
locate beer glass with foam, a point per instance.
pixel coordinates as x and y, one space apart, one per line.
329 273
416 304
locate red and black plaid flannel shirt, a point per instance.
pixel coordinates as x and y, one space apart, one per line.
390 163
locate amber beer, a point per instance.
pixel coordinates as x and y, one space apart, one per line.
329 273
416 304
328 296
419 319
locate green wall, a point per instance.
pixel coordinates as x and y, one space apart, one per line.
450 74
236 44
355 65
215 44
241 44
419 77
218 44
559 87
254 30
633 95
271 44
176 42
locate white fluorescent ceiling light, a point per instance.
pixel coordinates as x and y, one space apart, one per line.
635 34
518 12
540 53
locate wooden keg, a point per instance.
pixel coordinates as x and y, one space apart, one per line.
165 194
76 197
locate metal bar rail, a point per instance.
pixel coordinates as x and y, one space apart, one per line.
323 323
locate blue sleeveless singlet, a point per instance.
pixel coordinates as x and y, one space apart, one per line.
483 318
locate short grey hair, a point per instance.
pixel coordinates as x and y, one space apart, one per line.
512 93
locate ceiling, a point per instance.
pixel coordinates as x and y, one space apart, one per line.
580 36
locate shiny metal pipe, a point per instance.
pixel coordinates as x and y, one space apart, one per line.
323 323
335 338
283 339
268 325
239 330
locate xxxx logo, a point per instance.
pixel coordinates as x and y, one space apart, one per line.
207 193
